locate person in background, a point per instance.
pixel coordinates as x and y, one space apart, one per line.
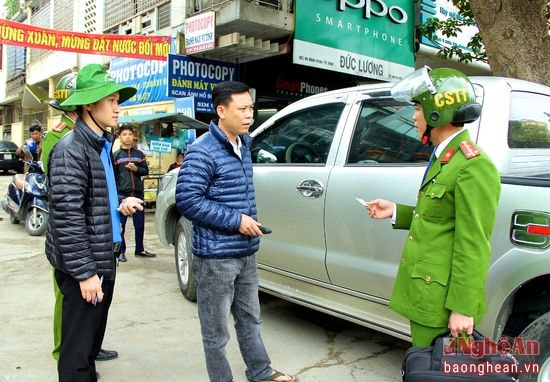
217 195
84 223
65 87
440 284
34 144
177 163
130 166
32 147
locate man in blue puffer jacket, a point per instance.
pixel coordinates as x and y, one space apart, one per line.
215 192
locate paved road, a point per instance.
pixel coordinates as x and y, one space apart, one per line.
157 332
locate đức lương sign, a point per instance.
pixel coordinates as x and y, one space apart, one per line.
136 46
367 38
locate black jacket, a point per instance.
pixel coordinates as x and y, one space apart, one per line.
129 182
79 240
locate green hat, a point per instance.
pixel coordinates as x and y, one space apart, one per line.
93 83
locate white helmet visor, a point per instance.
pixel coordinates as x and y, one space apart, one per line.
412 85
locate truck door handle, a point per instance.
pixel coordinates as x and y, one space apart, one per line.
310 188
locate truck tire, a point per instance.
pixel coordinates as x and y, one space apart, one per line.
36 222
538 330
184 259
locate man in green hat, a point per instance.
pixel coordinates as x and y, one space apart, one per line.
84 223
64 89
440 284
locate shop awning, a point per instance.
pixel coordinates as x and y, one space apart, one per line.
175 118
33 97
239 48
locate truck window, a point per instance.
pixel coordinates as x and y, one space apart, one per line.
385 133
303 137
529 125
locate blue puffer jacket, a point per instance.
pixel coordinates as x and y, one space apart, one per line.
214 188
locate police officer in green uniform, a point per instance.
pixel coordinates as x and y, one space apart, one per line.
64 88
440 284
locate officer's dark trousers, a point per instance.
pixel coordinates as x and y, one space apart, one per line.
138 219
82 330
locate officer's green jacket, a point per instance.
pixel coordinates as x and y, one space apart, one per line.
52 137
447 252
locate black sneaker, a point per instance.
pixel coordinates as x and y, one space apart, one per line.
122 257
145 254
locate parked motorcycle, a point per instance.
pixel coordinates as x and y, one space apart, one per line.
31 203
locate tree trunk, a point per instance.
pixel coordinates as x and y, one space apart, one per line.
516 37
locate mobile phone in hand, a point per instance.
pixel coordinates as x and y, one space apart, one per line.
265 230
100 283
363 203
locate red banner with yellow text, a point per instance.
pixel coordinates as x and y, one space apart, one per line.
136 46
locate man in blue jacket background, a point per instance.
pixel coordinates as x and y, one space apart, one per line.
217 195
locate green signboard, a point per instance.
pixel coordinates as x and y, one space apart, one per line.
369 38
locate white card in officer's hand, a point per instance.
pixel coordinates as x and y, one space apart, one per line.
362 202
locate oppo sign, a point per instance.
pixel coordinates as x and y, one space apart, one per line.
395 13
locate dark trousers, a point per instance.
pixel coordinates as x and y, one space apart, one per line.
82 329
139 227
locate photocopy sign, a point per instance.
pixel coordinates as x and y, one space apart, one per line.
199 33
147 76
195 77
368 38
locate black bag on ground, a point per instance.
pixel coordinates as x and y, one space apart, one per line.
447 361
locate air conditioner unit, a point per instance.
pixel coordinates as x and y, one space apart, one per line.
146 24
126 29
136 21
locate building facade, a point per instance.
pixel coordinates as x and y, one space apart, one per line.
254 40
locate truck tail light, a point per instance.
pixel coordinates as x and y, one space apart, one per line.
530 229
538 229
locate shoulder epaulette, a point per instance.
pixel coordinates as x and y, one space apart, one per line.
60 126
469 150
448 155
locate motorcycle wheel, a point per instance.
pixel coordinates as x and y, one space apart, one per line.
13 218
36 222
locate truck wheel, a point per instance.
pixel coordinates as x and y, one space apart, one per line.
36 222
538 330
184 259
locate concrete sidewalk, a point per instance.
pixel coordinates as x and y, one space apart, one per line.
156 331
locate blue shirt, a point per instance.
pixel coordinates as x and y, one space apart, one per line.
111 187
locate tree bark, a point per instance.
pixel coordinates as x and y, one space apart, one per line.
515 37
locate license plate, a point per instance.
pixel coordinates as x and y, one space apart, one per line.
8 156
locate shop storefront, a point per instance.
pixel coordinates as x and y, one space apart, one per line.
279 82
181 86
157 135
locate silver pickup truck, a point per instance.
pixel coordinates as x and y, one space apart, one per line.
313 158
